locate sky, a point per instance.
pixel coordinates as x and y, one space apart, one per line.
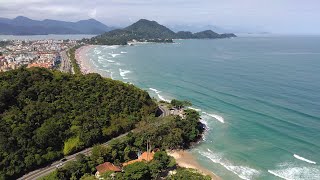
275 16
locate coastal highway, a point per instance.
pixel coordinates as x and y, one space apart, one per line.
65 65
48 169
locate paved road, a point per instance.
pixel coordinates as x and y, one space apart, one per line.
46 170
65 65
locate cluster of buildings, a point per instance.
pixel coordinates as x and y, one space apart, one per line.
39 53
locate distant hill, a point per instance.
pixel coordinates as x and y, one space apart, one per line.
25 26
197 28
151 31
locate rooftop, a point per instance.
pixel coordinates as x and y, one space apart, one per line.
107 166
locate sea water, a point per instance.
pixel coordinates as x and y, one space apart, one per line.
258 96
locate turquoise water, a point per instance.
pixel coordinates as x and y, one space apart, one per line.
259 97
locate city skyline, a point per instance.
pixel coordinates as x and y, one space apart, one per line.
284 16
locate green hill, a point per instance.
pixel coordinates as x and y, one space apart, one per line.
208 34
142 30
150 31
45 114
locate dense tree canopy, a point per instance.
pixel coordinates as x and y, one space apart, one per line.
180 104
184 173
162 133
45 114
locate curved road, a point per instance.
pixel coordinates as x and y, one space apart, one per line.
46 170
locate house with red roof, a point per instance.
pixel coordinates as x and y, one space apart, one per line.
105 167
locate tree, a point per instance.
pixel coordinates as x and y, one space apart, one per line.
137 171
46 114
184 173
180 104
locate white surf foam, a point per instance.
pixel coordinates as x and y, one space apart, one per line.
242 172
110 61
304 159
217 117
297 173
123 72
123 52
276 174
111 47
111 75
97 52
113 55
155 90
196 109
158 94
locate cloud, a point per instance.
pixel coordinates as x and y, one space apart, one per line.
93 13
275 15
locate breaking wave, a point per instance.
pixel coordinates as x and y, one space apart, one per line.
158 94
304 159
123 73
242 172
113 55
297 173
217 117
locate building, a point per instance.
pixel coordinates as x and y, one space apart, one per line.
105 167
146 156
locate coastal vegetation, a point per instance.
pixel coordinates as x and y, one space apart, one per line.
72 57
172 132
180 104
45 115
149 31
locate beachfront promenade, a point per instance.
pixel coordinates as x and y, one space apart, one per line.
65 65
53 166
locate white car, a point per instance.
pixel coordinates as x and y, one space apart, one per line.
58 165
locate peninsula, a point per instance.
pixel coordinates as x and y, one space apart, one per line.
150 31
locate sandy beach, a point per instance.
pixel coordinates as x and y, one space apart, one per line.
185 159
82 59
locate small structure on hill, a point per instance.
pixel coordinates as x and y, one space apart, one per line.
146 156
105 167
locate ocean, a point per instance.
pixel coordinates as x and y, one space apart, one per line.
258 96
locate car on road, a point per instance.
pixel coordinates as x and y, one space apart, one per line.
58 165
63 160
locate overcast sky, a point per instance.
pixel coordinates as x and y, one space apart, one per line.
277 16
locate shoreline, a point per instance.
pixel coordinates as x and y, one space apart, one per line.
82 60
183 158
187 160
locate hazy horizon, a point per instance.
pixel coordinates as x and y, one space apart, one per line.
274 16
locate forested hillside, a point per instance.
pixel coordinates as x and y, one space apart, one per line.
45 115
150 31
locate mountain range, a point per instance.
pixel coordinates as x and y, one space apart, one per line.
145 30
24 26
